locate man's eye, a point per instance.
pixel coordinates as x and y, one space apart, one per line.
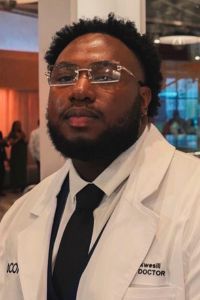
64 78
103 77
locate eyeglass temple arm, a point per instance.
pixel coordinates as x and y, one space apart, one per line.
125 69
130 73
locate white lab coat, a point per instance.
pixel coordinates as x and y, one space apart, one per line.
150 248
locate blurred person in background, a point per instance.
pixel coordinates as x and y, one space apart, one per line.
176 125
34 148
3 158
18 157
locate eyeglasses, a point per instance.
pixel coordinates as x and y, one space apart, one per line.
99 72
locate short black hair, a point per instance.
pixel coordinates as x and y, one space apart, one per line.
125 31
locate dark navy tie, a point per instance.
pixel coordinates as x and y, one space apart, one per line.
73 252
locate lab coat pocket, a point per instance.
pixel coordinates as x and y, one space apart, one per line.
146 293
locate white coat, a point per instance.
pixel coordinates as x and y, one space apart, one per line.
150 248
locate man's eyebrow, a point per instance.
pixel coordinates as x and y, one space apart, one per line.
65 63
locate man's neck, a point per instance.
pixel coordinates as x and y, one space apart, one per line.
89 170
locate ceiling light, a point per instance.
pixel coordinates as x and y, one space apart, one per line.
179 40
25 1
156 41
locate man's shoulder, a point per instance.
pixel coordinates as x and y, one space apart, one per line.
27 201
41 197
186 160
183 173
179 159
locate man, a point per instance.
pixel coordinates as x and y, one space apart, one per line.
176 125
144 241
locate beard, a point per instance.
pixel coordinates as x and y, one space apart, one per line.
108 145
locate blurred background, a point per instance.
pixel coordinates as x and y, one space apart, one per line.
174 27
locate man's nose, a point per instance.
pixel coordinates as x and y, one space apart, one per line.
82 90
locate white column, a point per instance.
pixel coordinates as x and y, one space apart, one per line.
53 14
131 9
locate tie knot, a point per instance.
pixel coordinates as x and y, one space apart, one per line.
89 197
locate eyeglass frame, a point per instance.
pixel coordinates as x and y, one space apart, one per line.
89 76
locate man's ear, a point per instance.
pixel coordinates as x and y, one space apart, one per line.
145 93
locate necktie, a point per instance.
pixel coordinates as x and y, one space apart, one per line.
72 255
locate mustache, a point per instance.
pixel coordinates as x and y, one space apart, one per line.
81 112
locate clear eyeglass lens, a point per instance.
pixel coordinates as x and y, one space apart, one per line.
98 72
62 74
103 72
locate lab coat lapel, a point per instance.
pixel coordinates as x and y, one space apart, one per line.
122 248
131 230
30 243
152 161
33 242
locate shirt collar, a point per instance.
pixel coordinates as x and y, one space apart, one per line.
112 176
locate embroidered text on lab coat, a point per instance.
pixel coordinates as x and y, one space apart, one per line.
151 269
12 268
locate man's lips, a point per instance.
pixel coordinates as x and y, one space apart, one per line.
80 117
81 113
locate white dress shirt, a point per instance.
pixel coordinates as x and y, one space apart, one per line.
111 181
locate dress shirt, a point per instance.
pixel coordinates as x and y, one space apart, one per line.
111 181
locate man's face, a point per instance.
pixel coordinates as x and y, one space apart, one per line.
90 121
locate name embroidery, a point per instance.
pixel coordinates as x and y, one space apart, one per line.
13 268
151 269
